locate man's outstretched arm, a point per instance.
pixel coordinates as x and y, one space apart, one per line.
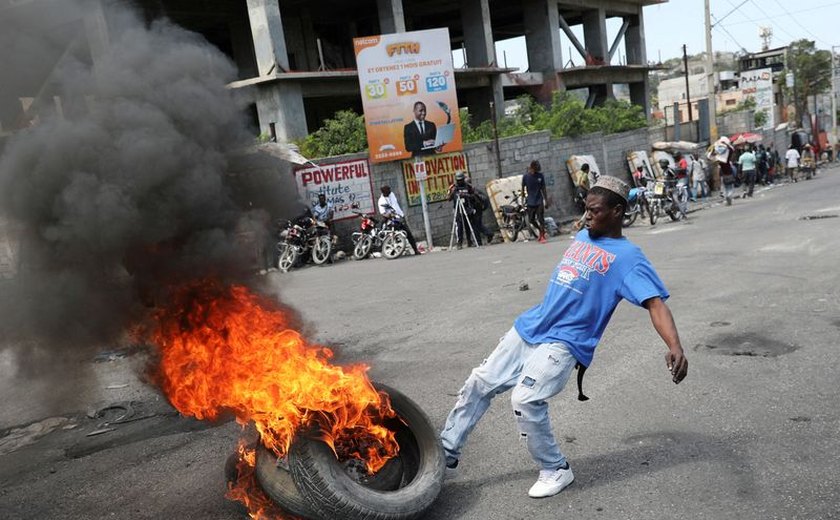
663 322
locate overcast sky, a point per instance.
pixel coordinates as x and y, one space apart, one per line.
668 26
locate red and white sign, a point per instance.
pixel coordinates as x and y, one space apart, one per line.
347 185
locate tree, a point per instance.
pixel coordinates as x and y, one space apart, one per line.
344 133
811 70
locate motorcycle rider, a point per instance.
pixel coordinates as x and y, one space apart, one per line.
673 183
389 207
323 210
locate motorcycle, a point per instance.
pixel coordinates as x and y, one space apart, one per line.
667 197
367 237
302 237
678 200
514 219
637 203
388 235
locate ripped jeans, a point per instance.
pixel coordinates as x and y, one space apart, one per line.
536 373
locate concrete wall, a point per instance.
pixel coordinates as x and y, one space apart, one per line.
735 122
610 152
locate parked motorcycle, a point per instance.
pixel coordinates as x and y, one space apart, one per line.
656 200
514 218
367 237
305 236
678 207
667 197
388 235
637 204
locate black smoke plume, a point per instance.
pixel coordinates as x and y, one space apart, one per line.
122 180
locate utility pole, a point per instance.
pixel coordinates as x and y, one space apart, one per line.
687 93
710 76
835 68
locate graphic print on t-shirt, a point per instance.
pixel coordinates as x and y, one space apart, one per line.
579 261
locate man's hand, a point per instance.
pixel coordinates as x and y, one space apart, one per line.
677 364
663 322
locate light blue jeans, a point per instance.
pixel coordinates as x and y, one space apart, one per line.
536 373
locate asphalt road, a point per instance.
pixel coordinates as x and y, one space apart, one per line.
752 433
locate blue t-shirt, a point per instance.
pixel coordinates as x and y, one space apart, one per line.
533 184
591 279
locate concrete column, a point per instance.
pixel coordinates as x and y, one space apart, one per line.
634 43
478 33
242 47
640 95
634 40
481 52
542 35
280 104
542 40
269 39
391 16
96 30
595 33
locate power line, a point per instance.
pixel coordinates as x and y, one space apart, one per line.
722 27
774 17
799 24
792 37
730 12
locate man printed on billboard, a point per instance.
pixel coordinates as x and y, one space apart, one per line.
419 135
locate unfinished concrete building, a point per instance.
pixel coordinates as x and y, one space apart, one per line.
297 55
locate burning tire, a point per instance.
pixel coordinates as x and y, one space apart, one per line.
276 481
333 493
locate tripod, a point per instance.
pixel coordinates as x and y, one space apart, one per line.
461 212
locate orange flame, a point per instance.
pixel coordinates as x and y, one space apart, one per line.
227 350
246 490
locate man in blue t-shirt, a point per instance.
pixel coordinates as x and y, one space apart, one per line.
537 356
533 183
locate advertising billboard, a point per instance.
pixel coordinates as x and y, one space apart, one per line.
347 185
408 94
758 84
440 173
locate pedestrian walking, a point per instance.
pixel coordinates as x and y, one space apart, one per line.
761 164
746 162
533 182
791 162
536 357
698 178
721 153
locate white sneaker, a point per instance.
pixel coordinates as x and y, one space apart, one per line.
551 482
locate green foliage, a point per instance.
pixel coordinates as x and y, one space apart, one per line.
344 133
566 117
760 118
811 70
